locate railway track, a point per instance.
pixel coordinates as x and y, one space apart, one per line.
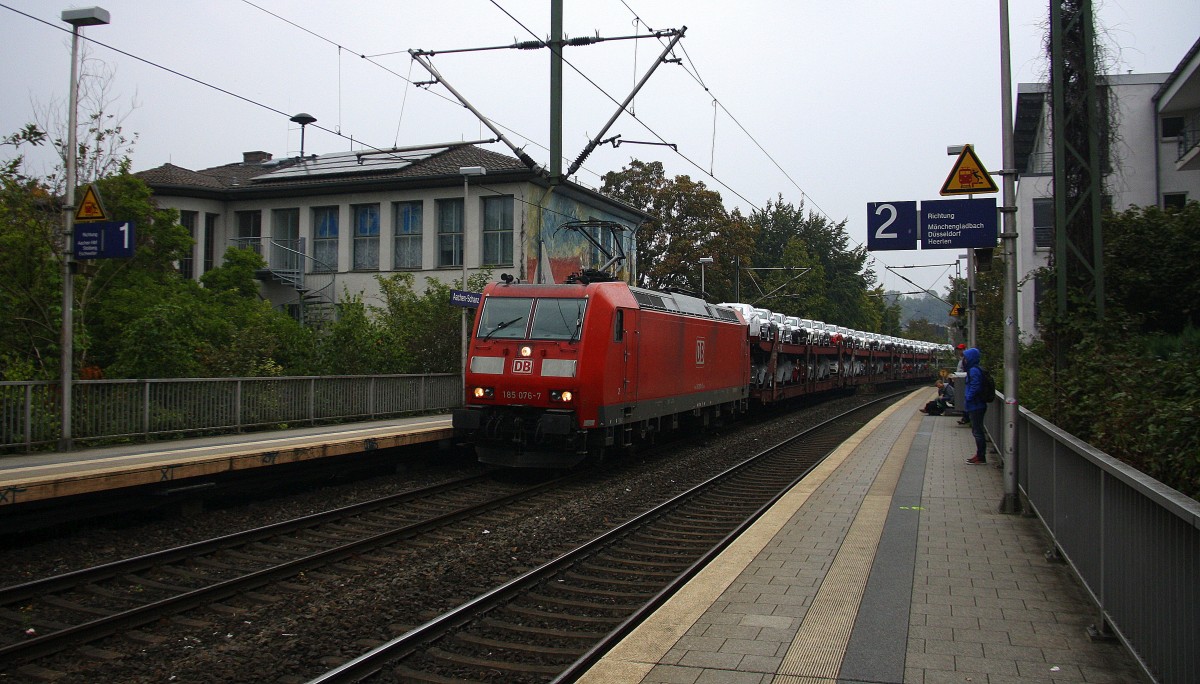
556 620
59 612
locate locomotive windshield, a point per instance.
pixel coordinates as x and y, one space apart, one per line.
557 319
552 319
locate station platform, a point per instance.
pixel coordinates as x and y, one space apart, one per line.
26 478
890 563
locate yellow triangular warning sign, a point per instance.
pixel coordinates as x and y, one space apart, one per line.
90 208
968 177
956 310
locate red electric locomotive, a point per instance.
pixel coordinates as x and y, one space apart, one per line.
558 373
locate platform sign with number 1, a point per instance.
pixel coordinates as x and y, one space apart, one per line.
891 225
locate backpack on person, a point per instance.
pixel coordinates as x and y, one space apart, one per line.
987 385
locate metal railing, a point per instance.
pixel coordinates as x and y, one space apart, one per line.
251 243
1133 542
31 413
1189 135
1040 164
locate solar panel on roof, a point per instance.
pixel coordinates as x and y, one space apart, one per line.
345 163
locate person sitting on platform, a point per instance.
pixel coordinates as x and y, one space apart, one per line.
945 399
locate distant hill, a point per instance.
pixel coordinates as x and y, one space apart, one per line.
923 306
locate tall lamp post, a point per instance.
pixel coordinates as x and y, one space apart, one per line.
704 261
77 18
467 172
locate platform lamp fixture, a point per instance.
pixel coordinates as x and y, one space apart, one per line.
704 261
466 172
303 119
77 18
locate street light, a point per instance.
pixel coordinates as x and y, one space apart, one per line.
703 262
87 16
467 172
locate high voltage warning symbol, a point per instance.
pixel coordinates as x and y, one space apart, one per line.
968 177
90 209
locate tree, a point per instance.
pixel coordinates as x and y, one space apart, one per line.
31 225
690 223
1150 258
103 148
30 279
921 329
418 326
838 286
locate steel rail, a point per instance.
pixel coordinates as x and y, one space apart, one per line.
27 590
56 641
406 644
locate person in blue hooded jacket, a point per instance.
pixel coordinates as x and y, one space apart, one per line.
975 406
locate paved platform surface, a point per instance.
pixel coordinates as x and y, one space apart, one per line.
33 477
891 563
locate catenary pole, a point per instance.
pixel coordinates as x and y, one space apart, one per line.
1011 503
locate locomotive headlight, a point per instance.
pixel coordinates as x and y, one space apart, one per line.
567 396
484 392
564 396
526 351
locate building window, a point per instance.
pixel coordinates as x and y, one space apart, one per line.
285 225
1175 200
1043 223
1172 126
497 231
285 240
407 231
249 230
601 244
450 232
210 240
366 237
325 239
188 220
1041 288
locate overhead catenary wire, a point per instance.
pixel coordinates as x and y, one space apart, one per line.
694 72
650 130
370 59
182 75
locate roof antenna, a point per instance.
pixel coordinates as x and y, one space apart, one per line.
303 119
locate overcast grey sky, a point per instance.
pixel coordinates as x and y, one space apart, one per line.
835 103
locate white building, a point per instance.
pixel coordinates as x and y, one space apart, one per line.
330 224
1154 160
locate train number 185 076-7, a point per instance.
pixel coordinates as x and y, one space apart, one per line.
520 396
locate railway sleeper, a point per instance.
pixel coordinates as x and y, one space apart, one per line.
640 596
59 602
31 620
459 659
612 581
677 535
405 674
666 548
562 617
493 623
695 520
650 565
588 605
155 584
518 646
640 573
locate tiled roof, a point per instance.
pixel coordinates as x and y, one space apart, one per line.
169 174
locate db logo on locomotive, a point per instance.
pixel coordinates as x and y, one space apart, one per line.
523 366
